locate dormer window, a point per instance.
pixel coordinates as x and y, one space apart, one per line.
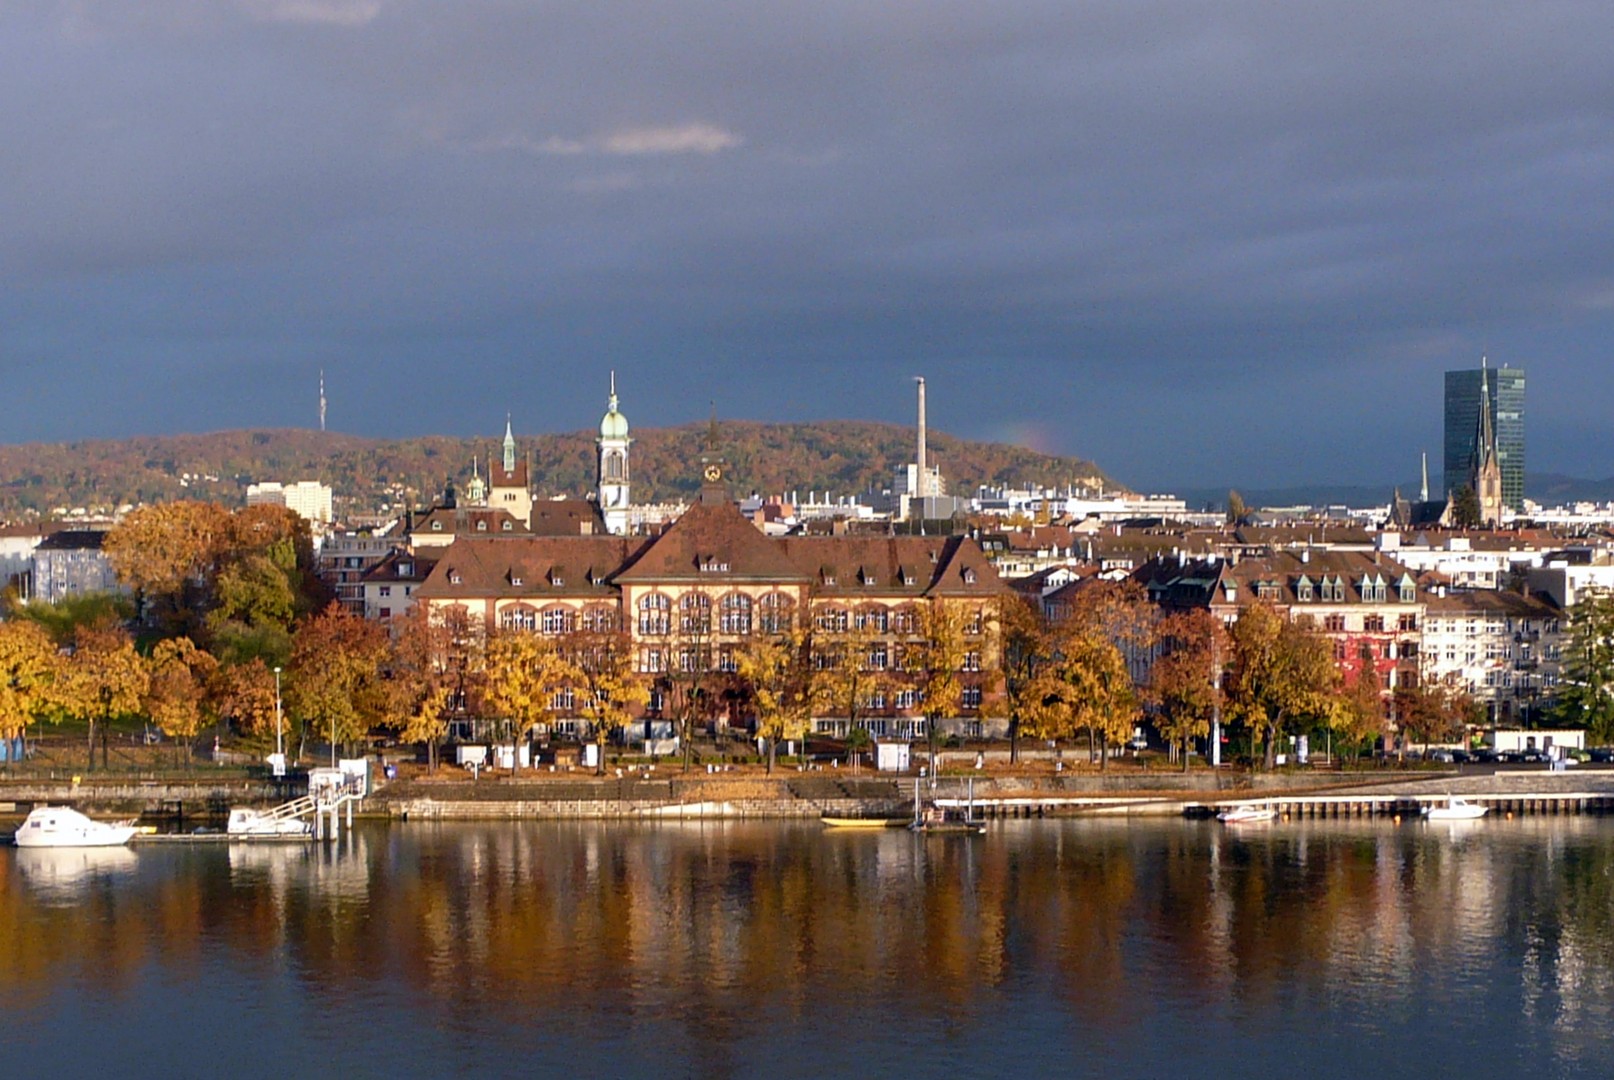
406 569
515 579
507 526
969 577
481 526
454 577
556 580
437 526
907 579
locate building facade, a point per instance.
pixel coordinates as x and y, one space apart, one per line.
688 600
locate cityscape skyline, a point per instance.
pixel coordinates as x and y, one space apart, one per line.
1199 249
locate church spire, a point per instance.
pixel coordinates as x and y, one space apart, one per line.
1423 489
509 446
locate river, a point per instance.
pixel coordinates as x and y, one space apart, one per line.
761 949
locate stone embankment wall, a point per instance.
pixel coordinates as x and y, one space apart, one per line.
105 795
808 797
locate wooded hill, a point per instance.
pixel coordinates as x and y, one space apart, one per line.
843 457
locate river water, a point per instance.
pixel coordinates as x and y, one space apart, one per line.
1048 948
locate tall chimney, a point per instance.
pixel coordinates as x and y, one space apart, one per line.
920 483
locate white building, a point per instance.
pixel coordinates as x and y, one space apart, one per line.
1459 560
1568 575
1501 648
309 499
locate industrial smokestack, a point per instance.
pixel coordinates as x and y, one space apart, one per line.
920 482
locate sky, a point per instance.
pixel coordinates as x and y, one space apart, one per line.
1197 243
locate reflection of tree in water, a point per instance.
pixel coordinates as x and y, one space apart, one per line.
713 935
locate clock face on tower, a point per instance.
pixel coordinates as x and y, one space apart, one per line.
713 473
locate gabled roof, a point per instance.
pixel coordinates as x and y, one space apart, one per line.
566 517
401 566
717 537
535 566
468 521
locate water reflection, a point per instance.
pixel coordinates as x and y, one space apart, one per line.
722 943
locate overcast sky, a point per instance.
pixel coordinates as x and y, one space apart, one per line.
1199 243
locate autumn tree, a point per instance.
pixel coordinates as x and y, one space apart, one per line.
1432 712
610 682
432 658
1357 716
176 693
935 659
244 697
167 553
690 678
105 678
524 671
1184 684
63 619
1280 672
334 682
1086 687
851 663
1026 651
779 673
29 669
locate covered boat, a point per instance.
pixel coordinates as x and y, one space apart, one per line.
61 826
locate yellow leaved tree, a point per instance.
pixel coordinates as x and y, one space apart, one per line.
523 673
176 695
29 670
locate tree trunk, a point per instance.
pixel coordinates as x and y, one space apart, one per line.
91 765
1185 753
1269 752
1103 752
773 750
1014 740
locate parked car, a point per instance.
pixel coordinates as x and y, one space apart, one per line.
1445 757
1462 757
1602 755
1484 755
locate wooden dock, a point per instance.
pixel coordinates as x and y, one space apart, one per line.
1405 805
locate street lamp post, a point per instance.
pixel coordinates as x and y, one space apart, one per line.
280 747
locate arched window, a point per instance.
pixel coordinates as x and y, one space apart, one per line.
614 466
735 614
876 619
519 618
833 620
598 620
695 613
655 618
555 620
774 613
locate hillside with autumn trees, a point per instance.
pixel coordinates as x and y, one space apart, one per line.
843 457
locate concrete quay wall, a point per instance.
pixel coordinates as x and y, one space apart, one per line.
143 796
427 809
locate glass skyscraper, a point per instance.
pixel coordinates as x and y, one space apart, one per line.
1506 387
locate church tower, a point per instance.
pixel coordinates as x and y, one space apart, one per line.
509 488
613 478
1484 468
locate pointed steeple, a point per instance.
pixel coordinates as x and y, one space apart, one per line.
1423 489
509 446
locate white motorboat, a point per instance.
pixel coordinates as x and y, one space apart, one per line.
1247 812
267 824
1456 809
61 826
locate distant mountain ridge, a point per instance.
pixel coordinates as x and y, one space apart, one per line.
843 457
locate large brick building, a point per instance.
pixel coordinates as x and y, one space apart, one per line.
693 595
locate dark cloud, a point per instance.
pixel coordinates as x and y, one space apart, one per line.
1195 242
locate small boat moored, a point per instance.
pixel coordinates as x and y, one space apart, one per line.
1456 809
863 822
64 827
1247 812
248 824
